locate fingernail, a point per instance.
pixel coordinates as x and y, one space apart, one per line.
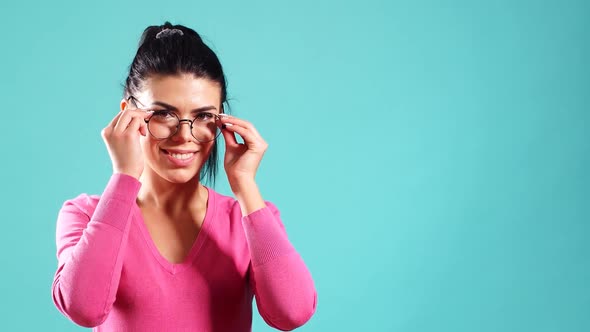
228 124
224 115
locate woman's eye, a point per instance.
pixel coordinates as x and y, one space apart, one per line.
204 116
163 114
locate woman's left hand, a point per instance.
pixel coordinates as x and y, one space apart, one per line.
241 159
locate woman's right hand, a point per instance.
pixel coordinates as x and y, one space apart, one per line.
121 137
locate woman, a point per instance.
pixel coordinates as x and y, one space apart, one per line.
159 251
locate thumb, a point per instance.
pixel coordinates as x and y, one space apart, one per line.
143 129
230 138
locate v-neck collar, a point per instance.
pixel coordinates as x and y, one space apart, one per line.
174 268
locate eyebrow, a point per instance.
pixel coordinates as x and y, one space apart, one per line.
196 110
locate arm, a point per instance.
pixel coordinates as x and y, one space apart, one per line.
283 286
90 249
284 290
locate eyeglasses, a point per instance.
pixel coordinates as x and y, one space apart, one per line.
164 124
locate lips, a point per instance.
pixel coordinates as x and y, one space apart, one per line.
181 155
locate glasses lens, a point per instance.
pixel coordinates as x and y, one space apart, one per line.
205 128
162 124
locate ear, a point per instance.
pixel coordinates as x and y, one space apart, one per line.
124 103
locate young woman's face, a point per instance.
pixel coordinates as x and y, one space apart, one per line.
180 157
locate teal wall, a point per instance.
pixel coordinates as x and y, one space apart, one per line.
430 158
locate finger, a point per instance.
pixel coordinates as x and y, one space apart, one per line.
232 119
240 122
143 129
229 136
247 135
127 116
134 125
115 119
144 126
123 122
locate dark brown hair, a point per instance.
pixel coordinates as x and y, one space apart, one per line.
173 53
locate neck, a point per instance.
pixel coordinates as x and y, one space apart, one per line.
171 198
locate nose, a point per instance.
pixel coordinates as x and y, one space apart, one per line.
184 132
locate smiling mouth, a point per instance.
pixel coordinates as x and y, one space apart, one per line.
179 156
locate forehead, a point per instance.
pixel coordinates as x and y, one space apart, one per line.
183 91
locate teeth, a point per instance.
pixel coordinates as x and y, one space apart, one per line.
181 155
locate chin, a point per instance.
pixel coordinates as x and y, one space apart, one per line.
178 176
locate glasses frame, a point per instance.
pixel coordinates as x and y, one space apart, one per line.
180 121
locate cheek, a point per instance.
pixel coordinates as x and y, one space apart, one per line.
207 149
149 147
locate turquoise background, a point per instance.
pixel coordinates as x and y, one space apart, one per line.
430 158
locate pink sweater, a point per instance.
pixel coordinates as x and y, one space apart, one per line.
112 277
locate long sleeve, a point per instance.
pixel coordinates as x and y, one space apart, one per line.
90 247
284 289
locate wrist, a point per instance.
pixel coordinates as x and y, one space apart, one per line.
248 196
135 174
240 185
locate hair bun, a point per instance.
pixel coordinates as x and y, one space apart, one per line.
168 32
